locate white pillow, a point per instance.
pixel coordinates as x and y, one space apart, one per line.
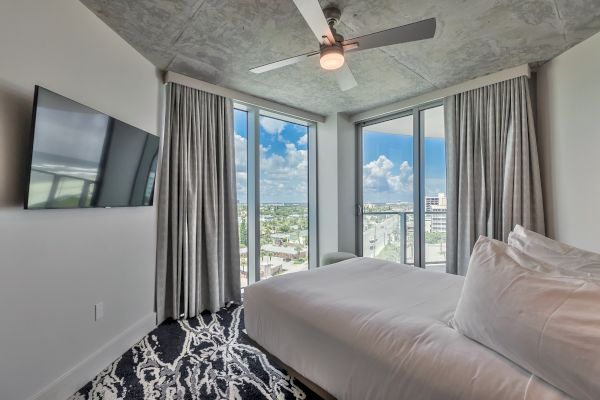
552 252
537 316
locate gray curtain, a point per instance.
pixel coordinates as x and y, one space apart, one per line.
493 175
198 262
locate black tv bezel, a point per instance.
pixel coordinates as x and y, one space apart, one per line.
29 157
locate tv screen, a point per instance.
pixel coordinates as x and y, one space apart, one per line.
82 158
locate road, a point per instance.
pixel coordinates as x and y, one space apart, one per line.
380 233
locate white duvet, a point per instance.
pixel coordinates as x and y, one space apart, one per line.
370 329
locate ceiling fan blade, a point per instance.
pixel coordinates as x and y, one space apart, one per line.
345 78
401 34
312 13
283 63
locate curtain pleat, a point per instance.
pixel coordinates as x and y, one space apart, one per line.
493 175
198 262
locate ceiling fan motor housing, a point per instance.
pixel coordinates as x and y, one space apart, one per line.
332 15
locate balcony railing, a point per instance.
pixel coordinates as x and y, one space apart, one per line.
389 235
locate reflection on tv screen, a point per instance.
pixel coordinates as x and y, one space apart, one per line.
83 158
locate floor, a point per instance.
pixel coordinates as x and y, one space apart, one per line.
208 357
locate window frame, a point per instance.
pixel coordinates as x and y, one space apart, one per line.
253 190
418 175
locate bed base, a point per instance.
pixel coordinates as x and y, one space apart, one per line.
293 373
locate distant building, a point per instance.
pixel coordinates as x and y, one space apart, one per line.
303 237
285 252
437 203
438 221
436 207
268 270
279 239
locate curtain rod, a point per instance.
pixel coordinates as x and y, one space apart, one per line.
242 97
521 70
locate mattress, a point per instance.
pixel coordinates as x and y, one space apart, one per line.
371 329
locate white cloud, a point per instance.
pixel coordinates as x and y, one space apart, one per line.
241 184
433 186
283 177
241 153
378 176
303 140
241 167
272 126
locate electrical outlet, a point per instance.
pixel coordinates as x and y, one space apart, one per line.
98 311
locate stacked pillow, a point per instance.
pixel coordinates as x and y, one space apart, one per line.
536 302
553 253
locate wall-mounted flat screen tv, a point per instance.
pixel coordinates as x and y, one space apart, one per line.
82 158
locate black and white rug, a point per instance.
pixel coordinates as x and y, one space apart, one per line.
201 358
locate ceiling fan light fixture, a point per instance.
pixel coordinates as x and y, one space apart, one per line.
332 57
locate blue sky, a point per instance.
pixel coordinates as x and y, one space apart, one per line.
240 123
283 160
387 163
388 167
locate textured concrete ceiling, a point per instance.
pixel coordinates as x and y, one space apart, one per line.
218 41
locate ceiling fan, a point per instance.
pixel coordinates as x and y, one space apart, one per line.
333 46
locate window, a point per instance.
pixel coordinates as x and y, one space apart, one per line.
402 196
240 124
387 176
283 197
434 202
277 219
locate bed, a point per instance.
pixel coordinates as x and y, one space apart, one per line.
371 329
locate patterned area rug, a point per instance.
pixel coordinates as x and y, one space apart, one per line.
201 358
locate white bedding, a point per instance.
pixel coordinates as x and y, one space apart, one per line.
370 329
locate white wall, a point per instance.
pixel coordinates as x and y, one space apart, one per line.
569 134
55 265
327 184
336 184
346 184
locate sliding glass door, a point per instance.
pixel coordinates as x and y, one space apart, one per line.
402 203
387 183
276 182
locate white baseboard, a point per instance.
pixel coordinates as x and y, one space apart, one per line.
72 380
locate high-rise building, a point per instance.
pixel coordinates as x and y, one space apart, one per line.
436 206
436 203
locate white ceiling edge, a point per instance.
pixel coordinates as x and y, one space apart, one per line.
496 77
242 97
